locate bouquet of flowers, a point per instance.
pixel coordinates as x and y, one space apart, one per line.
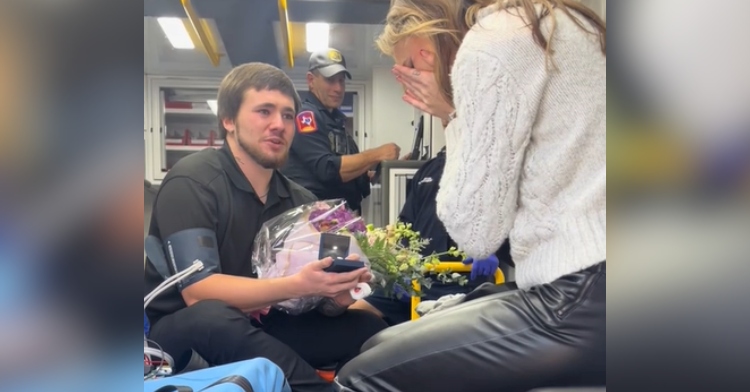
290 241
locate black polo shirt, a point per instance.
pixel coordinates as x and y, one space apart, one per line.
315 156
208 190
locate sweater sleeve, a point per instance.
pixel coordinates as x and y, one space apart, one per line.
485 147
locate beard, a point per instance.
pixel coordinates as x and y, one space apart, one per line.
265 160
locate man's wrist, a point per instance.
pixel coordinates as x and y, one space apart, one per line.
374 156
295 286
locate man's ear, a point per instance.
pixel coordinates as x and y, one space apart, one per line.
310 78
228 124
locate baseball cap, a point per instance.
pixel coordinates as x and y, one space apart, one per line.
328 62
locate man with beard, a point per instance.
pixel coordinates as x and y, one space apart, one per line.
210 207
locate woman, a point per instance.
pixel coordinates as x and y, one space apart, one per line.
520 86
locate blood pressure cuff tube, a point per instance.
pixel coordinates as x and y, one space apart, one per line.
185 247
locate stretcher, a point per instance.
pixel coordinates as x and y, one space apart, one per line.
452 266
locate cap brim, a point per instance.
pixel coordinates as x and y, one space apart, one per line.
333 69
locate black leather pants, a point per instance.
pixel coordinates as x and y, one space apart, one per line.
549 335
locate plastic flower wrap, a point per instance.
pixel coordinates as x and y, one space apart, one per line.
290 241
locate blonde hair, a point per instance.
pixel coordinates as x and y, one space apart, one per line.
446 22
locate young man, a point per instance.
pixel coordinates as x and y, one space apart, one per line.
324 158
420 210
210 206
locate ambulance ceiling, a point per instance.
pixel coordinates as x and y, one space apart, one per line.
247 27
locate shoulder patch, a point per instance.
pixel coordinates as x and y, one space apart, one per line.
306 122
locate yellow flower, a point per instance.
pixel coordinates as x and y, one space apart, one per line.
454 252
403 267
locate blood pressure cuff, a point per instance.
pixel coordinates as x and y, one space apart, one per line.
185 247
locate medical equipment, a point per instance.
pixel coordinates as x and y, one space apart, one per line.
165 363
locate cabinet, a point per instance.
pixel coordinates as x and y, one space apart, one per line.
182 121
179 119
434 134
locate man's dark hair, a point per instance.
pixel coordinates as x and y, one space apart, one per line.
257 76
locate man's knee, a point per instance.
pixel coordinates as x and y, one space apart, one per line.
393 311
212 328
205 318
366 306
365 322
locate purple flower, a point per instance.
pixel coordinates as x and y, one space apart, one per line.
326 219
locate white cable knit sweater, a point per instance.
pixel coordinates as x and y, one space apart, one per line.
526 155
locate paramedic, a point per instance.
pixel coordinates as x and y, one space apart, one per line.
324 158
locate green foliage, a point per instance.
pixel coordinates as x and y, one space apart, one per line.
395 258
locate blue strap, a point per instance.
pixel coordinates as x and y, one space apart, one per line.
174 388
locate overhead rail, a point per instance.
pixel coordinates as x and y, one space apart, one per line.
286 32
201 34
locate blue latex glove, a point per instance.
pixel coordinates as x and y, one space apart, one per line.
483 267
401 293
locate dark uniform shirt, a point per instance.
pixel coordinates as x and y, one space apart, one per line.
315 156
420 208
208 190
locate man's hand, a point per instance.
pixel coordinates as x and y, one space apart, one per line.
484 267
335 304
344 299
389 151
313 281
